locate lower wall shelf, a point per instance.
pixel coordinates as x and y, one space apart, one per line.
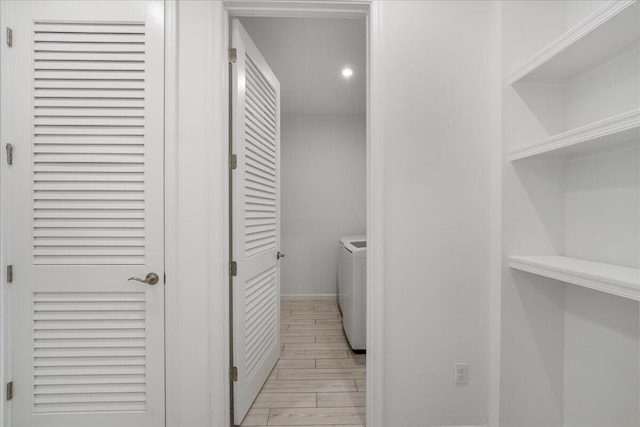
609 278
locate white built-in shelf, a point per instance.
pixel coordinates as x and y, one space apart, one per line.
612 27
609 278
611 132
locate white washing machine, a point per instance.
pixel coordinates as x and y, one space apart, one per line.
352 290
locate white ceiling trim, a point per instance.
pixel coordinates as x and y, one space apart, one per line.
298 9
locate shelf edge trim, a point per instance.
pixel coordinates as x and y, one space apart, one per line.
614 287
607 127
593 21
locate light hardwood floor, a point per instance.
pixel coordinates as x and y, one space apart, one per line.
318 380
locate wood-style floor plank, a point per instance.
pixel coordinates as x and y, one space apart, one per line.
314 354
331 338
340 363
326 309
304 346
317 315
337 400
319 310
309 386
318 324
317 416
315 333
256 417
286 400
296 321
297 363
298 339
320 374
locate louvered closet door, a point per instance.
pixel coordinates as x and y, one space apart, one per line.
256 220
86 213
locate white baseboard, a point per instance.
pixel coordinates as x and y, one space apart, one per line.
308 296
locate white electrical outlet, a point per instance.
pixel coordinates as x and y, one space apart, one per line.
462 373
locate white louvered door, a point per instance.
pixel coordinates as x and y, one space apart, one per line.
86 213
255 220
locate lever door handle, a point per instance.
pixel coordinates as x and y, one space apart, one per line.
151 279
279 255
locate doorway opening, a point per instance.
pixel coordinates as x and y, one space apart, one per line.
299 187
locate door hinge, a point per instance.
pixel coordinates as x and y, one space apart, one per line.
234 161
9 37
234 269
9 148
9 273
10 390
234 374
233 55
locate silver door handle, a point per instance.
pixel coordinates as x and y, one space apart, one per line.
279 255
151 279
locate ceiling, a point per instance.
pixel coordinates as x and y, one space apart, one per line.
308 55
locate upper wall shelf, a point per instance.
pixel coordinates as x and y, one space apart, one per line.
610 28
613 131
612 279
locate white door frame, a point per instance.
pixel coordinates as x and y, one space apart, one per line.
5 258
372 11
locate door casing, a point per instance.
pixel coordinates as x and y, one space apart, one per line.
214 28
371 11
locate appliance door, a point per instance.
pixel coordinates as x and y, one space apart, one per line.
340 278
358 333
346 294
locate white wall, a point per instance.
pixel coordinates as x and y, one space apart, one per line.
600 359
602 206
577 10
440 102
323 196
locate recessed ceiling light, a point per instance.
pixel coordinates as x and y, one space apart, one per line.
347 72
